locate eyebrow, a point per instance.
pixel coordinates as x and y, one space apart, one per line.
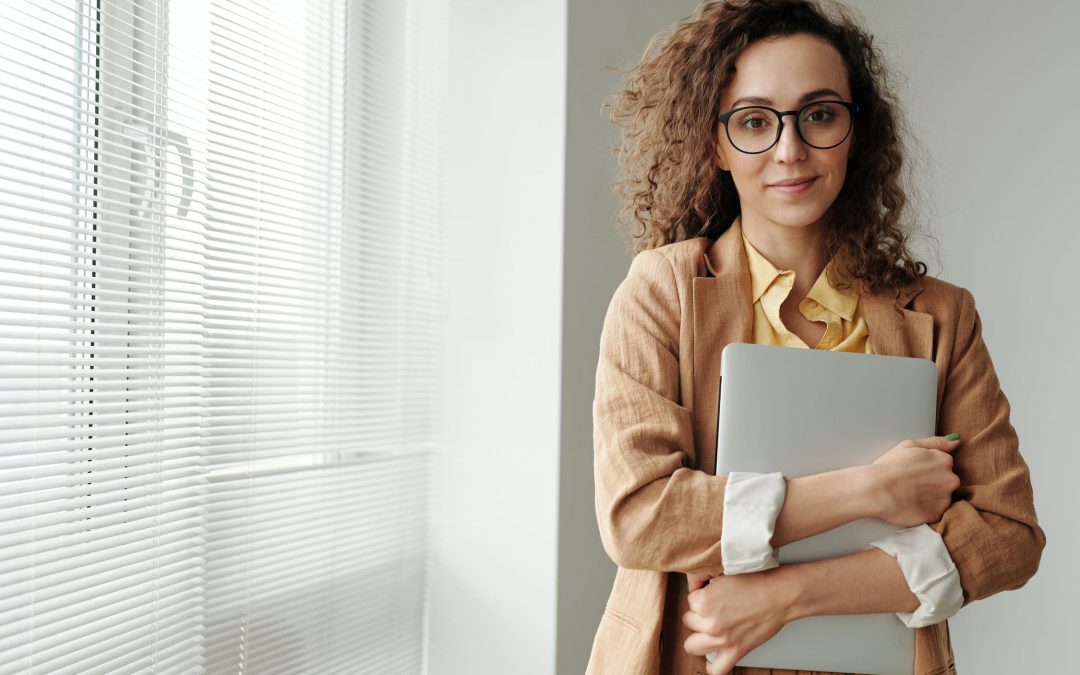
805 98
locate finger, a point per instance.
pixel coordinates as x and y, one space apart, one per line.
701 600
697 581
695 622
700 644
937 443
695 598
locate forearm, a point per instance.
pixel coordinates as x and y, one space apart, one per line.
734 614
868 582
819 503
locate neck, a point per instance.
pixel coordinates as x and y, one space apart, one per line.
797 249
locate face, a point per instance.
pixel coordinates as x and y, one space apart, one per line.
781 73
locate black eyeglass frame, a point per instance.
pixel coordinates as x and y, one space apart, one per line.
853 109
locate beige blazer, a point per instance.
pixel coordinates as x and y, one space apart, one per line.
658 504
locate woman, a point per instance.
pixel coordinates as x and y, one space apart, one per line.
763 169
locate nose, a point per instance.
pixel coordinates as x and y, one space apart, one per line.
790 147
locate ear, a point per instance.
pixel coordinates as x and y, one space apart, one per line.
721 158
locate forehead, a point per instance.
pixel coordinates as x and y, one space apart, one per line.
783 69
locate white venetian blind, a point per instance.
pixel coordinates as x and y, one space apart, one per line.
218 333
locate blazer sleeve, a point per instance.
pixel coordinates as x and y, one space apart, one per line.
654 511
990 530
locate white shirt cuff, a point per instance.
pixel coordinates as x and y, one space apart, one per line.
752 502
930 574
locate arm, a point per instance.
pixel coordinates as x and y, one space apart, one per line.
861 583
909 485
990 529
733 615
653 510
819 503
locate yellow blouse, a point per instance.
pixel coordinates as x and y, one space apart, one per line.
838 308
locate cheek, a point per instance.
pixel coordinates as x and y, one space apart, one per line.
746 172
838 165
841 174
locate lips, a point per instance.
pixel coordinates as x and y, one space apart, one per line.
790 181
793 185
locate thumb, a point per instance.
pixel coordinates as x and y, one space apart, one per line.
942 443
722 664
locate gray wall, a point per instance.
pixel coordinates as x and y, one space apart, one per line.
1000 190
601 33
991 92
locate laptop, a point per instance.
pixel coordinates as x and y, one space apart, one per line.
806 411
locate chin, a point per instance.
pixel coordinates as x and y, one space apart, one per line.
797 217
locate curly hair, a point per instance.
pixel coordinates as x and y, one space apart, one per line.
671 187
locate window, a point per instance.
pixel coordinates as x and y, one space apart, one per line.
219 317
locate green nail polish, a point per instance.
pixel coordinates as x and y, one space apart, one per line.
953 437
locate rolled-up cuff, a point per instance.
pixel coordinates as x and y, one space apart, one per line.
752 502
930 574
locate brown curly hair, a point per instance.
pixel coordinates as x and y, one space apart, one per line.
671 186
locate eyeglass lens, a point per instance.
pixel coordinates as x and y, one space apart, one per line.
821 125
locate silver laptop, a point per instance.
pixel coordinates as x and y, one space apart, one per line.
805 411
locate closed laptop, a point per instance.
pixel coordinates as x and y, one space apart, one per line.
806 411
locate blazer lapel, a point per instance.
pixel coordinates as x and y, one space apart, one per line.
903 333
722 314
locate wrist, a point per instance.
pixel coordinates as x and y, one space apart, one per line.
870 491
791 579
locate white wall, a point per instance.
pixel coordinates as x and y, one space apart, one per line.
495 490
1002 206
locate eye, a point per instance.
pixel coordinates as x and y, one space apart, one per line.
754 121
819 114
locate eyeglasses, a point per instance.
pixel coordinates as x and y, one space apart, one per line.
821 124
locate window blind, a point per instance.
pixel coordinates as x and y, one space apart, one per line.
219 318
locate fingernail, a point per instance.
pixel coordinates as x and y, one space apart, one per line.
953 437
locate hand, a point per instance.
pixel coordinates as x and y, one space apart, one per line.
732 615
915 481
